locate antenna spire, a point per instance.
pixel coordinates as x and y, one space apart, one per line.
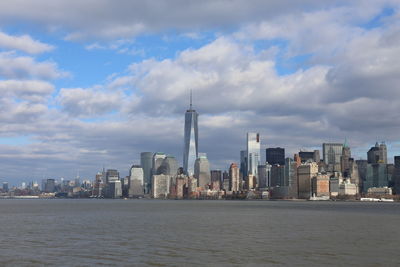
190 99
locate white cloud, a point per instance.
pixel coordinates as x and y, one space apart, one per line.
106 20
25 67
89 102
32 90
23 43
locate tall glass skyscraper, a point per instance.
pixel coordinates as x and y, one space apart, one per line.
190 151
253 153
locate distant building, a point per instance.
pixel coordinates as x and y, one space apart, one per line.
202 171
275 155
181 186
332 153
384 190
377 154
320 185
158 159
169 166
216 175
396 175
290 178
243 163
191 136
146 161
251 182
253 153
297 159
161 184
305 173
114 189
264 175
136 181
306 156
112 175
346 188
277 175
50 186
345 161
5 187
234 177
362 172
377 176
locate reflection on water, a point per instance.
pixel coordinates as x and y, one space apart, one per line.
181 233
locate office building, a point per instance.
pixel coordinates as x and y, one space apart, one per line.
50 186
243 163
377 176
114 189
275 155
5 187
158 159
190 152
202 171
253 153
136 181
112 175
345 161
161 185
320 185
264 175
234 180
146 162
277 175
396 175
216 175
305 173
377 154
169 166
290 178
346 188
332 153
309 156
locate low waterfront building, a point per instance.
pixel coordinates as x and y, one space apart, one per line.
320 185
380 190
346 188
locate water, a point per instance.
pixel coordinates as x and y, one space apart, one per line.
201 233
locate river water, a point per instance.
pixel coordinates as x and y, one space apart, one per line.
91 232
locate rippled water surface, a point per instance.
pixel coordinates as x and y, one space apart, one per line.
198 233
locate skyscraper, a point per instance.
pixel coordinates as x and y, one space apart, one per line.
146 161
158 159
136 181
331 155
253 153
275 155
169 166
234 177
243 163
202 171
190 150
345 161
377 154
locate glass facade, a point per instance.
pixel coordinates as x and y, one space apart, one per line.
146 161
190 152
253 153
332 153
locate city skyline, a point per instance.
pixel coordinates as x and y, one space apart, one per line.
80 93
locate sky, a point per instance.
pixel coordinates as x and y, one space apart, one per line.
91 84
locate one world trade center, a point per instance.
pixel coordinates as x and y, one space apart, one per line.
190 150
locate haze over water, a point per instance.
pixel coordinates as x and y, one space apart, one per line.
181 233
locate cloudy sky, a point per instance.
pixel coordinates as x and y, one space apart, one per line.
92 83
